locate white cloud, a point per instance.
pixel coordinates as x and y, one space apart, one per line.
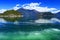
43 21
36 6
33 6
2 10
56 29
16 7
52 20
56 11
16 22
2 20
55 20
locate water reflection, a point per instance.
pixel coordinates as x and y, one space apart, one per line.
47 34
29 29
30 21
44 21
11 19
2 20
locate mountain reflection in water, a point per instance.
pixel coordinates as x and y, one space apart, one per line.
28 29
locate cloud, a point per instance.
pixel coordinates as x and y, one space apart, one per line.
36 6
2 10
2 20
55 20
56 11
16 7
56 29
43 21
52 20
16 22
33 6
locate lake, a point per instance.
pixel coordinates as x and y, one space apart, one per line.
29 29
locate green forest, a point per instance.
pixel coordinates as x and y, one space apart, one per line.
11 13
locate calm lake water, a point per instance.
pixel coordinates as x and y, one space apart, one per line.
29 29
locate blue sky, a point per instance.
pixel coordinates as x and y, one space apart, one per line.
8 4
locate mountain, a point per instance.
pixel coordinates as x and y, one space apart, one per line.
46 15
57 15
33 14
29 14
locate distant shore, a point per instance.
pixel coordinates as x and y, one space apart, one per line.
11 15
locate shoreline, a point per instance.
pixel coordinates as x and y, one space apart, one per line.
11 16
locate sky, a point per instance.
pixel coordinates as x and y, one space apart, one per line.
51 5
39 5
